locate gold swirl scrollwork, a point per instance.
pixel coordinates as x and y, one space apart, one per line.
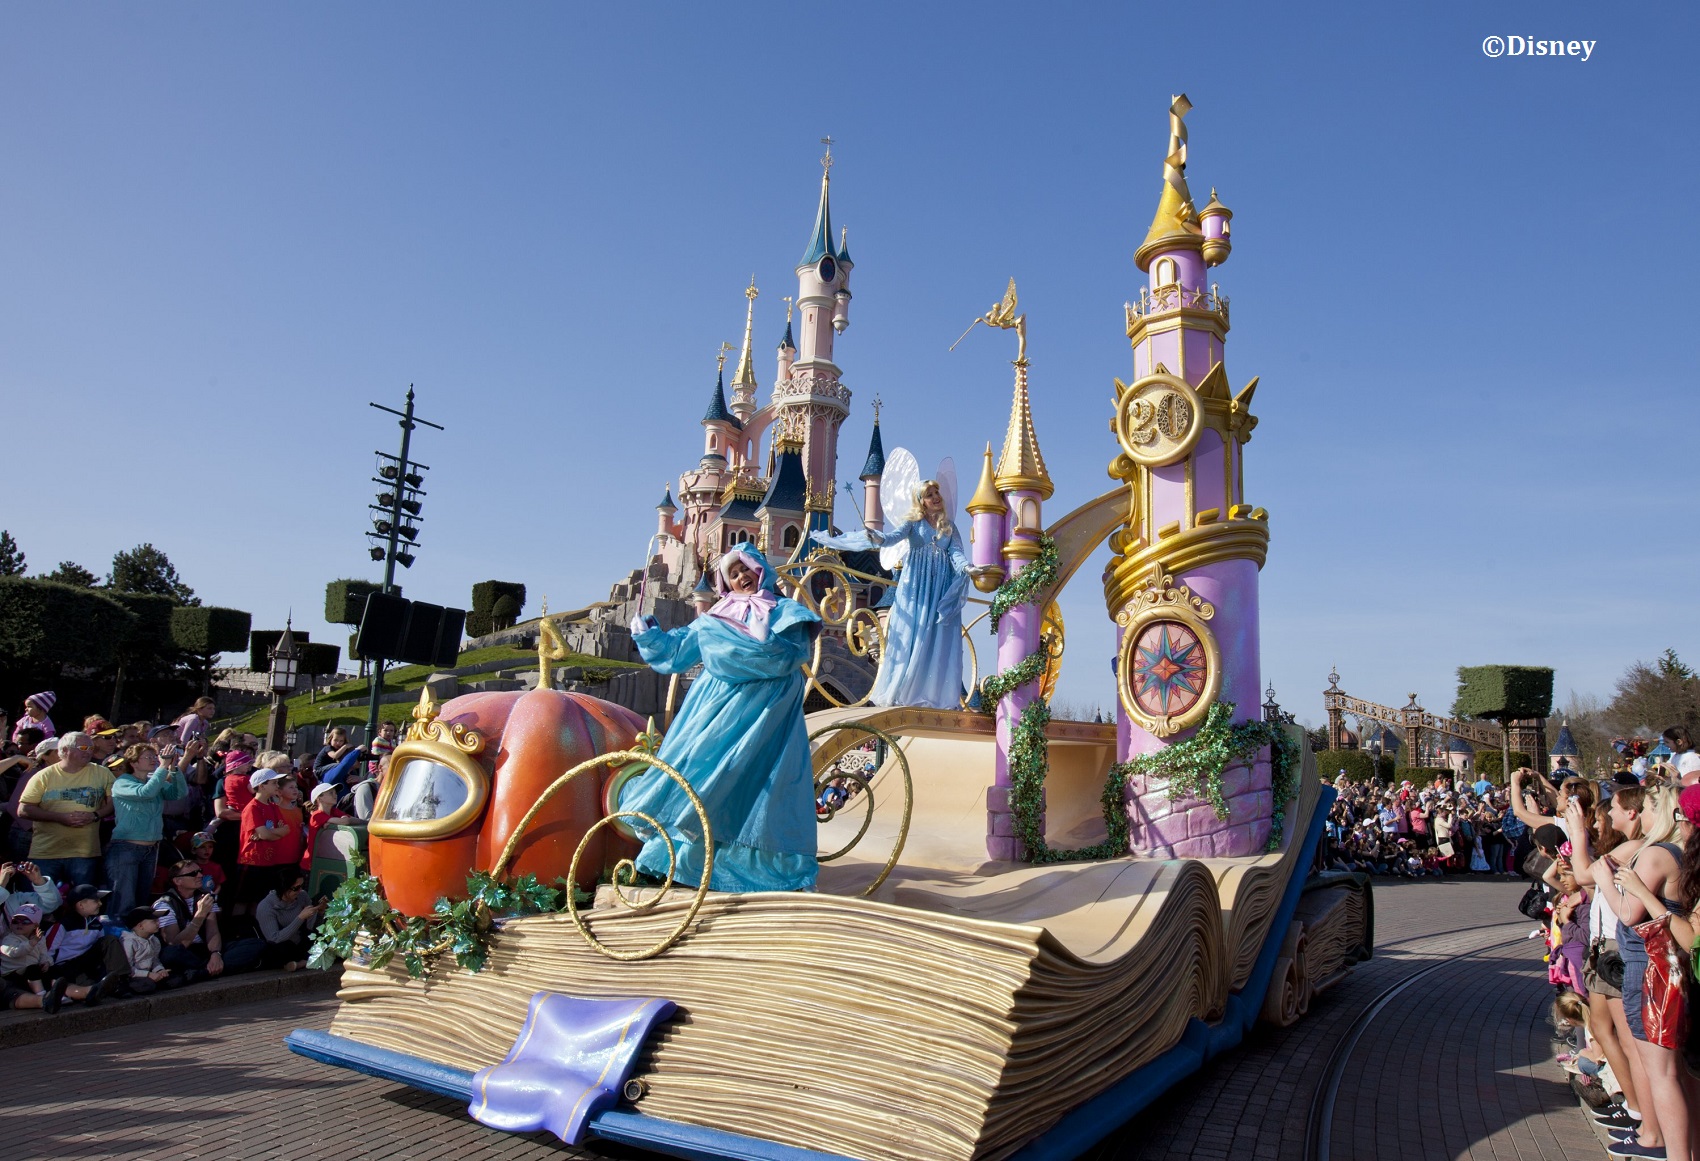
823 777
625 871
836 607
973 653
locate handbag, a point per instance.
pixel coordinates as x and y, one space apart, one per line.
1534 902
1663 1012
1606 964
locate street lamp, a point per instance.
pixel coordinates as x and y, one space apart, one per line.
286 668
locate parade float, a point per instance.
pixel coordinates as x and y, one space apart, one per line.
1022 929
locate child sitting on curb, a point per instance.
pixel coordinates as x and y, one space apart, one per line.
141 951
26 965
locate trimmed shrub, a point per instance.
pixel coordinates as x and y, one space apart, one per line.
320 660
261 642
148 638
478 624
353 653
345 600
504 612
1503 693
1358 765
485 594
205 630
1487 764
46 623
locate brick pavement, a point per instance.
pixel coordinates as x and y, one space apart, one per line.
1458 1066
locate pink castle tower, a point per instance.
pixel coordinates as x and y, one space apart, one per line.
809 400
1183 584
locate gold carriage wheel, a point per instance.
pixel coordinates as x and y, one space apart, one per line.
908 794
1051 634
614 758
967 699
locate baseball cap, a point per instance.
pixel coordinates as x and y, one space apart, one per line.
202 839
85 891
47 747
27 911
1689 803
262 776
323 789
136 915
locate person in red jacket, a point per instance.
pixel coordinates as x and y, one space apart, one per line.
324 809
265 839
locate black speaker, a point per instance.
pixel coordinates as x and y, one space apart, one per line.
419 642
449 630
383 626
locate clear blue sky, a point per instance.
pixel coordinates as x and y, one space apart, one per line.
1466 284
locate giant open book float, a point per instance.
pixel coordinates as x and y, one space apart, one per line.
963 1009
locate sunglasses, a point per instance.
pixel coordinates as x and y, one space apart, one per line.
187 875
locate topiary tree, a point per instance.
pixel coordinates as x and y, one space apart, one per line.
500 602
345 600
319 660
478 624
1503 694
43 623
205 631
1358 765
146 648
1490 764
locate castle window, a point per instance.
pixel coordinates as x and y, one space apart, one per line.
791 536
1164 274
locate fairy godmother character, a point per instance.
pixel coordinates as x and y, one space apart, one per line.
739 739
922 662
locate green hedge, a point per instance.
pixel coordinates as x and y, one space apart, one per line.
345 599
205 630
148 637
46 623
1487 764
478 624
1503 693
261 642
1358 765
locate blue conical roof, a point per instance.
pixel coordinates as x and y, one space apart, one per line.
820 240
1566 744
667 504
876 457
789 491
788 343
717 411
844 249
702 584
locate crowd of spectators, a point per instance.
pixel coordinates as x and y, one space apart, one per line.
141 856
1614 868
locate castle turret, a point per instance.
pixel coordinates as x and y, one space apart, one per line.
987 510
784 510
703 596
664 511
787 348
721 429
873 516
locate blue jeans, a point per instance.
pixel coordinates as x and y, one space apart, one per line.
129 868
73 871
240 955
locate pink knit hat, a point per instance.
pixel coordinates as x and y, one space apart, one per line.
43 701
235 760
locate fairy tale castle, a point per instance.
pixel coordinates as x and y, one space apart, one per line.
741 491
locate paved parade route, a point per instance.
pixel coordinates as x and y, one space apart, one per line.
1456 1065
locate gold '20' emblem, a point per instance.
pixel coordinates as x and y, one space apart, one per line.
1157 419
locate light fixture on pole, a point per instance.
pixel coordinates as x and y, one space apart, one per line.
285 669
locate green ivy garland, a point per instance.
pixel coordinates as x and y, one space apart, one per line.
463 928
1192 768
1025 586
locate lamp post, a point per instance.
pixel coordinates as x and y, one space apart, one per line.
286 667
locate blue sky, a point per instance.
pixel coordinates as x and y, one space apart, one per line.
1465 283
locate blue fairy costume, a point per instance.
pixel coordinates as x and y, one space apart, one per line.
922 663
739 740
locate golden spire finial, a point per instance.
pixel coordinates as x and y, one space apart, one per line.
1176 215
746 373
788 301
877 405
986 497
424 713
720 360
1022 465
826 162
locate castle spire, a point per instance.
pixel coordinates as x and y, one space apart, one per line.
986 497
1022 465
820 238
1175 225
875 463
744 379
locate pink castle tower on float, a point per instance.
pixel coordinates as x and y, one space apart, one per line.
1182 585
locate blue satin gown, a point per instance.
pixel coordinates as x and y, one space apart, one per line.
923 637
